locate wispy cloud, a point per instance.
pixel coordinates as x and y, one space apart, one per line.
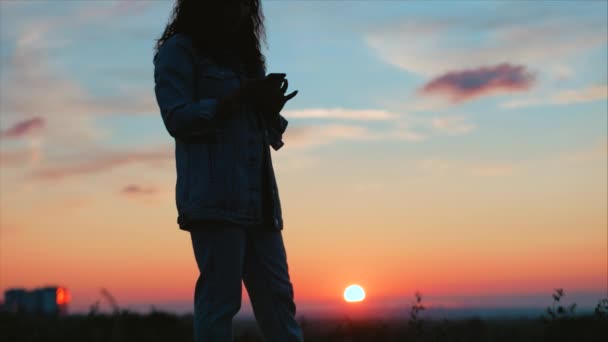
103 161
466 84
310 136
563 97
31 76
430 46
341 113
147 194
400 127
452 51
32 87
37 94
22 128
138 190
452 125
315 135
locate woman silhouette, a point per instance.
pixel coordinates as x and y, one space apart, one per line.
223 112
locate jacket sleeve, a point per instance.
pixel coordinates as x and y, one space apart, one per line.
276 128
184 116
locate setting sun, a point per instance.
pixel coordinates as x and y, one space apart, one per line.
354 293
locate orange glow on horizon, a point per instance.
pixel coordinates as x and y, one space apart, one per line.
63 296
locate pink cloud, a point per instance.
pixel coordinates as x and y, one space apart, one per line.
467 84
104 162
133 189
23 128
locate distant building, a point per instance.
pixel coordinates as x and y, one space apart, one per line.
42 301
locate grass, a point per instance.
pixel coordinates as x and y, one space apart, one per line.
560 323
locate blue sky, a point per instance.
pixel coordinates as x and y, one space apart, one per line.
334 57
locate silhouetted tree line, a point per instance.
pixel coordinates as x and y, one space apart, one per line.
558 323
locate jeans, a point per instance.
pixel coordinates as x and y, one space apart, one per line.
228 253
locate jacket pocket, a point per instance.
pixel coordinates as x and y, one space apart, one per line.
215 81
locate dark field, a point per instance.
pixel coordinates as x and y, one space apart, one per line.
160 326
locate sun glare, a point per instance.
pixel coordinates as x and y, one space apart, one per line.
354 293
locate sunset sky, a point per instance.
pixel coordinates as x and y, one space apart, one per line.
458 148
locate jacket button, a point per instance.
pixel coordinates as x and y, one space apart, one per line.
276 221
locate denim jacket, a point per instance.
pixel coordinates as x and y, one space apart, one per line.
214 155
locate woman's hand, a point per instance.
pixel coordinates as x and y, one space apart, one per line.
277 98
255 90
267 94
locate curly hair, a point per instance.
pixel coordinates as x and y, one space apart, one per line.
198 20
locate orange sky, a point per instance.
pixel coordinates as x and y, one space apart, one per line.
439 234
